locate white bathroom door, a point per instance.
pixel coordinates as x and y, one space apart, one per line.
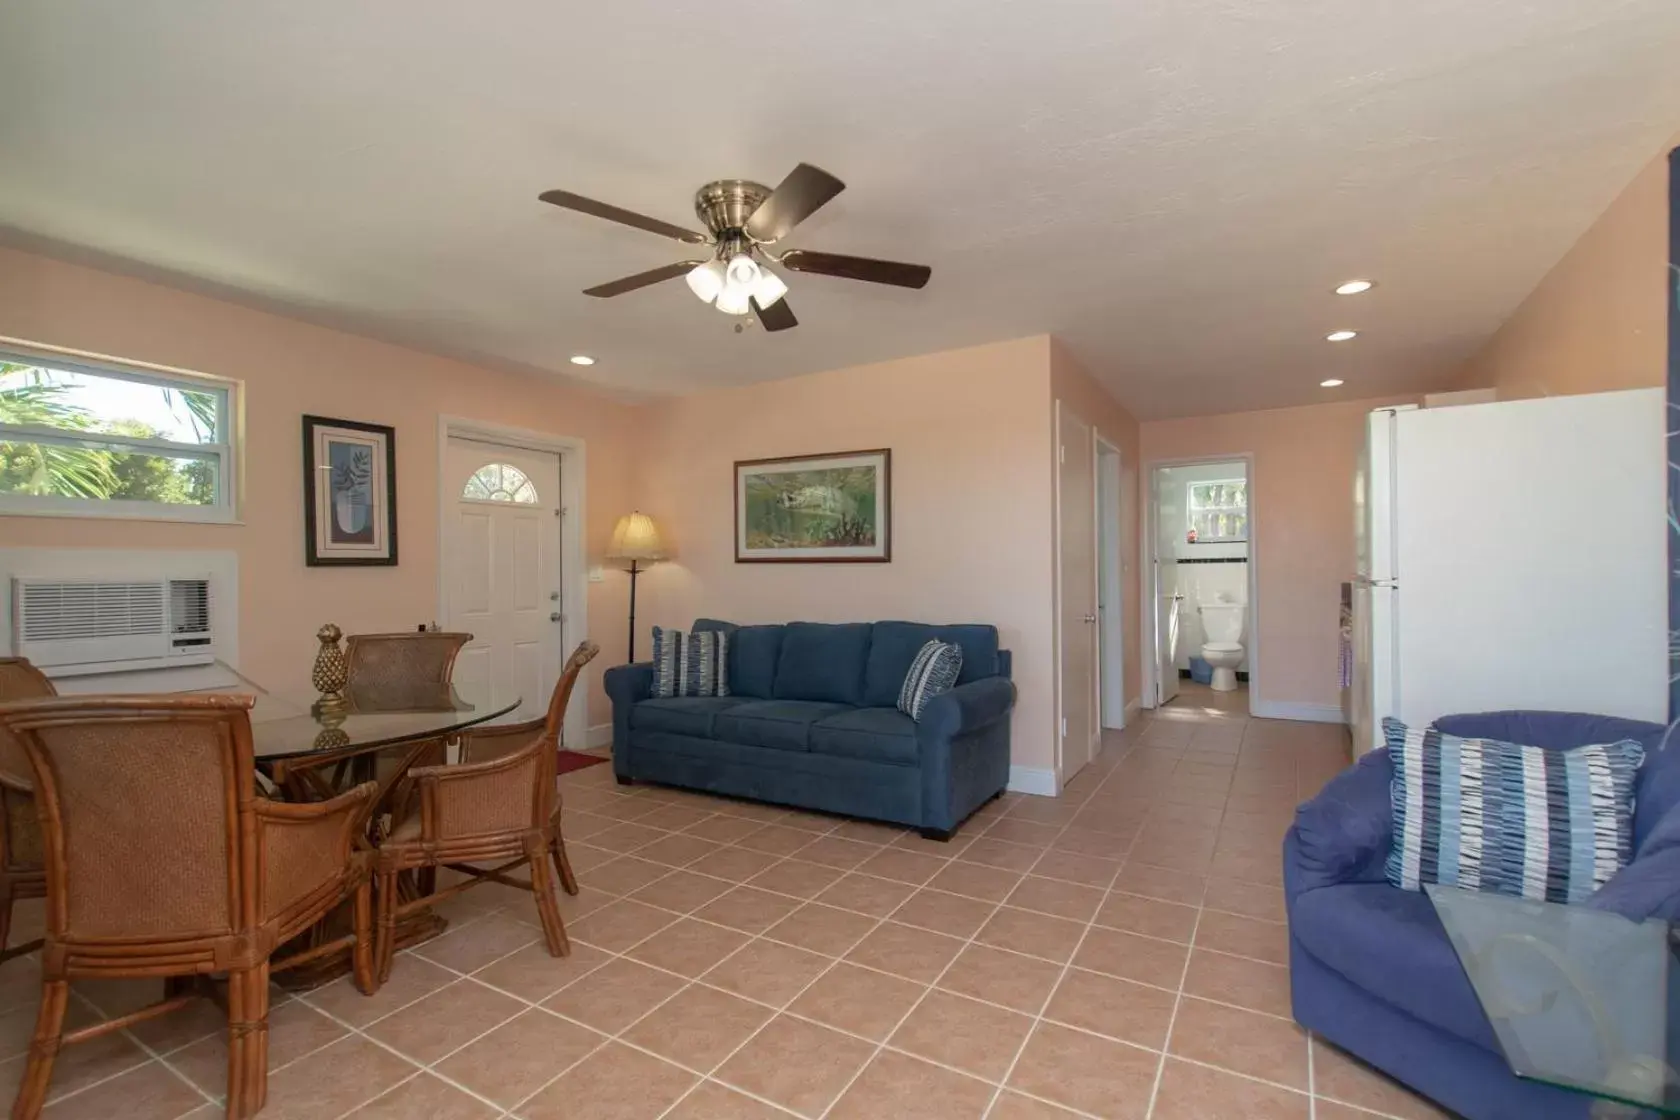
1076 507
1168 601
502 570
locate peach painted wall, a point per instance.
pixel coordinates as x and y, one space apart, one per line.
969 433
1302 493
1598 321
1073 385
289 368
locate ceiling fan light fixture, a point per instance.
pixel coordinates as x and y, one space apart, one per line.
743 270
707 280
733 299
769 287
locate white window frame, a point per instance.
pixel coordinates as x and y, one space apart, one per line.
1191 509
224 510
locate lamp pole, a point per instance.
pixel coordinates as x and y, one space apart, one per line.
634 572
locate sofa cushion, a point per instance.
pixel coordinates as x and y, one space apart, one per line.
682 715
778 724
752 660
894 645
823 661
877 734
1391 943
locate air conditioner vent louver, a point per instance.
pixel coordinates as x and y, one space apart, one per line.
106 625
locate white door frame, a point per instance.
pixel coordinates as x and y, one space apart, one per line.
1150 628
1110 469
573 581
1061 407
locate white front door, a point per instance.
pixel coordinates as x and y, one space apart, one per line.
501 560
1076 504
1168 601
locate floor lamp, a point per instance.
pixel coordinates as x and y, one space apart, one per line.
635 542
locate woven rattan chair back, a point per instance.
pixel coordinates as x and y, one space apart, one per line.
393 660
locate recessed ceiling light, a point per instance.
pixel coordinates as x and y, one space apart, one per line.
1330 383
1341 336
582 360
1354 287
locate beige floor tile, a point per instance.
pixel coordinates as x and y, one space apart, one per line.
1022 983
894 1085
735 864
1024 931
1137 914
614 1083
676 817
346 1074
531 974
993 852
624 876
1341 1077
682 891
822 929
1090 842
1013 1106
519 1057
711 1100
769 972
412 978
866 894
1057 898
915 954
1023 832
1249 899
1161 882
448 1018
146 1092
858 1000
627 837
748 909
614 995
1244 937
870 832
776 840
1094 1075
977 1038
425 1096
976 880
795 878
477 943
1117 1008
903 866
955 915
1131 956
798 1065
1071 867
1255 985
723 829
294 1029
1245 1042
1191 1092
837 851
699 1027
617 927
688 947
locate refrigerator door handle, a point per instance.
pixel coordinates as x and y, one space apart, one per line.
1366 581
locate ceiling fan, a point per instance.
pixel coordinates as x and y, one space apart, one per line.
742 220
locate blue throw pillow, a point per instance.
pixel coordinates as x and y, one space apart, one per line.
934 670
1549 825
694 664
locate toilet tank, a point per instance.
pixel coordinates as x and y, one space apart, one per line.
1222 622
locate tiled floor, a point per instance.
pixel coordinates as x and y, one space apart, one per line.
1117 952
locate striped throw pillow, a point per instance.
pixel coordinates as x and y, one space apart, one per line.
933 671
690 664
1547 825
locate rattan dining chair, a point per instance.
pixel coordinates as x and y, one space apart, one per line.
162 861
501 806
23 872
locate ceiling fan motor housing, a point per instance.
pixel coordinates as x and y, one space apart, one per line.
725 206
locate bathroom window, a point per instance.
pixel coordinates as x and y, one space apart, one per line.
1217 510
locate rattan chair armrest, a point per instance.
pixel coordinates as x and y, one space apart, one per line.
16 784
441 775
351 802
473 798
481 743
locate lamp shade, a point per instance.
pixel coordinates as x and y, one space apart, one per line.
635 538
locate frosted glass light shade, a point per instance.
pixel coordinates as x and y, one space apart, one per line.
769 288
635 537
733 299
743 270
706 280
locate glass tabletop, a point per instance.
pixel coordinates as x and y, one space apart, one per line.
284 726
1578 998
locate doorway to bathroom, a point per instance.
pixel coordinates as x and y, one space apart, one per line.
1202 574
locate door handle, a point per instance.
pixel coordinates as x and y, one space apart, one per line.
1090 618
555 617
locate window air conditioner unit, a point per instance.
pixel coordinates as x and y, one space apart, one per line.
73 627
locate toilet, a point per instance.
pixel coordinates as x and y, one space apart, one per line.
1222 624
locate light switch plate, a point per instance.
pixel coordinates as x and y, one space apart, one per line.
597 574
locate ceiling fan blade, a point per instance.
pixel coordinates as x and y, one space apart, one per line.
777 317
642 279
570 201
858 268
800 195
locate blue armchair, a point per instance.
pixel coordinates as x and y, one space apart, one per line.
1371 968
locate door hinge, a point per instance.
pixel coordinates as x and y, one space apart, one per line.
561 512
1061 453
1064 727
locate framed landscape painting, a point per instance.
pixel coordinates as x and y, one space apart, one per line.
349 493
814 509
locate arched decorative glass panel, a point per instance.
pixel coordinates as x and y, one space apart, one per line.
500 482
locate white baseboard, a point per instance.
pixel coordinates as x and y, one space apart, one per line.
1028 779
600 735
1133 707
1290 709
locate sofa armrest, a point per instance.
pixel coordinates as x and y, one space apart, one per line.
628 684
965 708
1345 833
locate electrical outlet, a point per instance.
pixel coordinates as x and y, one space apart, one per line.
597 574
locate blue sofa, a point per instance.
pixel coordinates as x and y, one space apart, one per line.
812 721
1371 968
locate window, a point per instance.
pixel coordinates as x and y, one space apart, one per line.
500 482
1218 510
84 438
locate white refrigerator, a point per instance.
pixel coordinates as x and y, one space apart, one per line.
1511 555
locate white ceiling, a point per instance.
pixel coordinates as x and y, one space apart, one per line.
1171 186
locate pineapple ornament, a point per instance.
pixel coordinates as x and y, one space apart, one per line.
331 672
